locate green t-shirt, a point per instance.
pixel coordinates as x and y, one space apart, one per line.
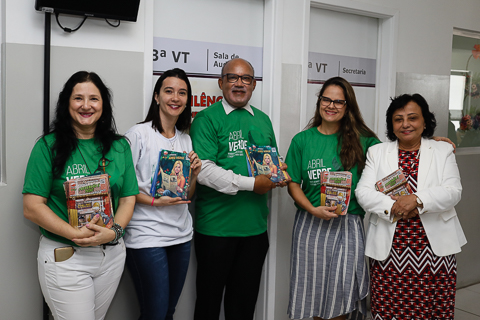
312 152
222 139
39 175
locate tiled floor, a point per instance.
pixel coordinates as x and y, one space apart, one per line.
467 303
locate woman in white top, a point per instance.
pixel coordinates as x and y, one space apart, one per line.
158 237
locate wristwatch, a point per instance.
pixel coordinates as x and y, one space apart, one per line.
419 202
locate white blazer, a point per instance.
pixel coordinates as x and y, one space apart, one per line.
438 186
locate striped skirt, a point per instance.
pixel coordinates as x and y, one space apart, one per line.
328 272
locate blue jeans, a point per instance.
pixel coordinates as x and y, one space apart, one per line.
159 275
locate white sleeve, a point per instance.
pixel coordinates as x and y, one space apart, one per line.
368 197
445 196
224 181
135 141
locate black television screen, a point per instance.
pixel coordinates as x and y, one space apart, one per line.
109 9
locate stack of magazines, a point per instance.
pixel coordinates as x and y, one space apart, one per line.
335 189
87 197
394 184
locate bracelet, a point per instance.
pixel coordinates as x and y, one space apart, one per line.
119 233
153 199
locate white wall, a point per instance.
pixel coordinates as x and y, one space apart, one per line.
122 55
24 25
117 55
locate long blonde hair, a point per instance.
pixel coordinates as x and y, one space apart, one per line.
265 155
181 168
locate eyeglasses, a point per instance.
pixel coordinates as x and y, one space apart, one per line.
336 103
232 78
102 164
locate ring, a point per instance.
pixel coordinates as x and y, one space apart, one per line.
401 213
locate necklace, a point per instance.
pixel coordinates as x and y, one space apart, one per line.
172 142
102 163
172 139
89 171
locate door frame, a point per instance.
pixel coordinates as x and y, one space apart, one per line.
274 21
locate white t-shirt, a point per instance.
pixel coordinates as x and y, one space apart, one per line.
155 226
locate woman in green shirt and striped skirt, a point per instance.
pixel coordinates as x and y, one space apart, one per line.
329 275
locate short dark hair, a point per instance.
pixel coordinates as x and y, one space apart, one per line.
185 119
400 102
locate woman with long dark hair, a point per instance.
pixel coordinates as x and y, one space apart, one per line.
329 276
79 268
159 235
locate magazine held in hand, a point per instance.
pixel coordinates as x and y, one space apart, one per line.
264 160
172 175
335 188
87 197
395 184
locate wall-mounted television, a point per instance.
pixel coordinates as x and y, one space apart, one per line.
126 10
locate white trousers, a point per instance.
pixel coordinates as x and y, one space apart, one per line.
81 287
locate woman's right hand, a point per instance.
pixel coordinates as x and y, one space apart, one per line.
84 232
323 212
169 201
99 235
411 214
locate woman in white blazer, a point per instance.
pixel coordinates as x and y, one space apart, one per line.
413 266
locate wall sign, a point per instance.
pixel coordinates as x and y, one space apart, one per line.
201 59
358 71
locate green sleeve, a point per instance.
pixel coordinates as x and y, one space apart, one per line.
294 162
130 185
274 140
367 142
39 175
204 138
372 141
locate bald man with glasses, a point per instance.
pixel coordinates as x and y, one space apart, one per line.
231 239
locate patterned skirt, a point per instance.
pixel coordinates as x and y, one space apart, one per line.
329 275
413 283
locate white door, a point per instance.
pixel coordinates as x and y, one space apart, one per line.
348 35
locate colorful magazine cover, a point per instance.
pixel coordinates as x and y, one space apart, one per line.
264 160
86 197
335 188
394 184
172 175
